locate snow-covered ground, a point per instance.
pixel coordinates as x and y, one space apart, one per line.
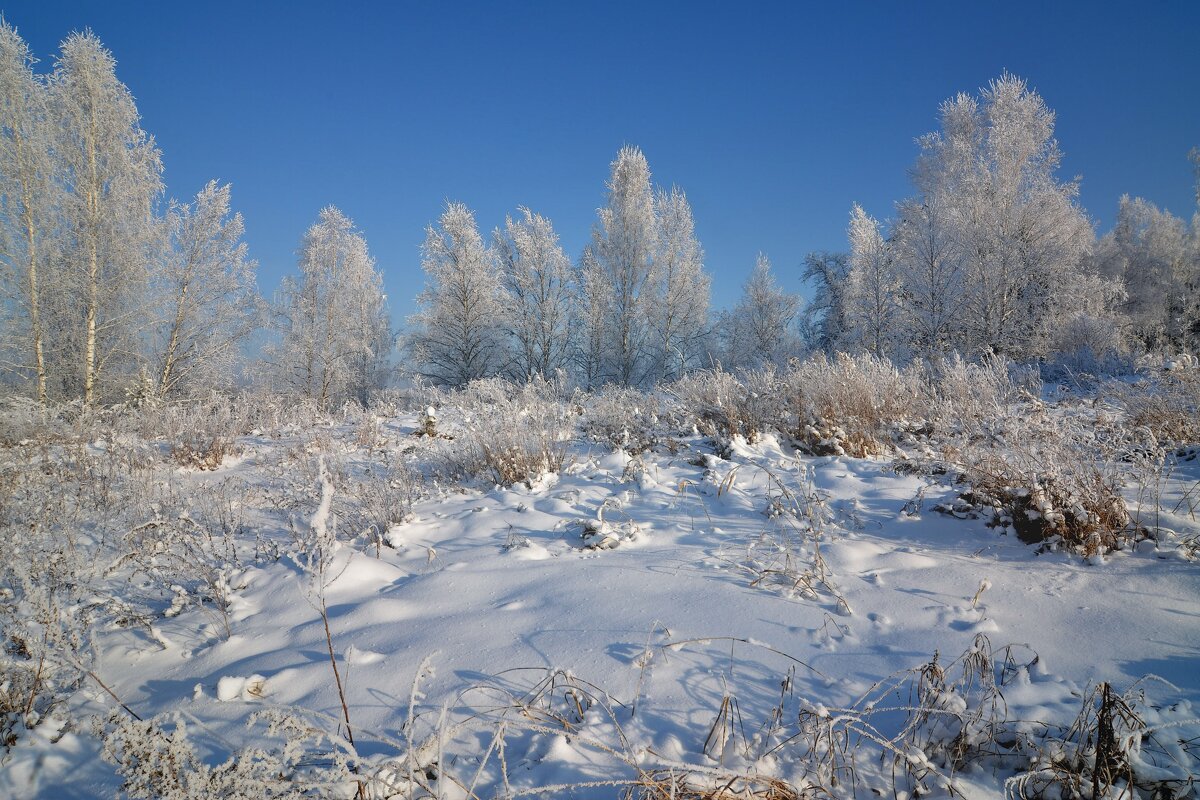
763 614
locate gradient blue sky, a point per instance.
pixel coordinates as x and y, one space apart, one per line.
773 117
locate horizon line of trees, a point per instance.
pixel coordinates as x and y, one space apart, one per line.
111 292
994 254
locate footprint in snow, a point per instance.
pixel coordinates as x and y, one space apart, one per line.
966 619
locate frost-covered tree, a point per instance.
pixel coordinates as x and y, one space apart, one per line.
622 255
110 172
336 336
590 326
679 316
825 316
1150 252
928 271
1090 322
537 278
26 208
458 332
211 304
872 292
762 327
1019 231
1194 157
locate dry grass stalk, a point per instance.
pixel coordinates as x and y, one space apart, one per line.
681 785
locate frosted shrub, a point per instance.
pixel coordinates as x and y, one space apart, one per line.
295 754
374 490
47 597
1121 744
377 494
623 419
192 553
24 422
509 433
786 555
1168 408
21 419
963 394
1047 479
157 758
724 405
198 433
273 413
1088 345
421 395
852 405
44 622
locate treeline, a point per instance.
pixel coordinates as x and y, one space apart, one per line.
113 293
994 254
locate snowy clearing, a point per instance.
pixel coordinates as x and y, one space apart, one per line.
788 622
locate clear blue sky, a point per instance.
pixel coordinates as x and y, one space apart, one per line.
773 117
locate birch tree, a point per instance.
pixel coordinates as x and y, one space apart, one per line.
622 253
929 277
761 329
1019 231
590 328
208 287
679 317
536 277
26 205
1149 251
111 174
457 334
824 320
872 294
336 335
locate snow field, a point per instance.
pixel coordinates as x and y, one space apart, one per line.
710 584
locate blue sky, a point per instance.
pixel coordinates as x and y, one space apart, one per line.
774 117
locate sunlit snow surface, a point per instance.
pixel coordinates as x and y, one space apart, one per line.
497 586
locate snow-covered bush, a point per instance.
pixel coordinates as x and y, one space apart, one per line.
48 589
197 433
193 551
1121 744
724 405
1045 477
203 434
623 419
786 555
1087 344
376 494
275 414
852 405
45 642
1167 407
21 419
847 405
158 758
510 433
963 394
293 754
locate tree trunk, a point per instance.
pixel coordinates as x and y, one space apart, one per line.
35 313
93 301
164 380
